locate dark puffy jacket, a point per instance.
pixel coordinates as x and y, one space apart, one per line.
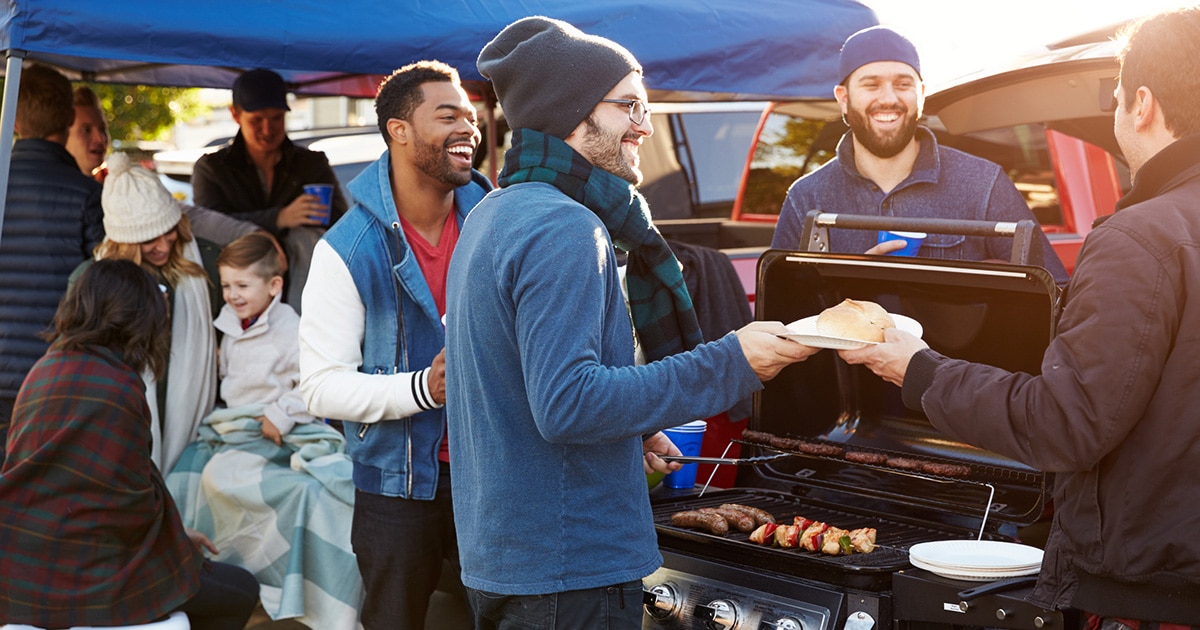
52 221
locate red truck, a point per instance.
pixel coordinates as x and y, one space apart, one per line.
1046 119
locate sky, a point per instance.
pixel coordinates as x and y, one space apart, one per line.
956 37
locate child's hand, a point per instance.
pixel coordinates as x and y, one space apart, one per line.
270 431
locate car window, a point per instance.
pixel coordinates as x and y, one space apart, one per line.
693 163
719 143
789 147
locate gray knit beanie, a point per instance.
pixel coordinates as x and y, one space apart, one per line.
549 75
137 207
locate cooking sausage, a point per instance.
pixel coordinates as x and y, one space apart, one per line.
761 517
734 518
946 470
701 520
904 463
792 444
863 457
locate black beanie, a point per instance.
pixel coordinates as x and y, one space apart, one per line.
549 75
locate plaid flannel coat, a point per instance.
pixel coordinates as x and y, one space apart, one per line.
89 534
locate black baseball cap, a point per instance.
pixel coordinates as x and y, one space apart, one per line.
259 89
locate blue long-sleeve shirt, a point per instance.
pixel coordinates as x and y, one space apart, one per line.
546 408
945 183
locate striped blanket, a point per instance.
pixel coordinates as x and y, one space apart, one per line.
283 513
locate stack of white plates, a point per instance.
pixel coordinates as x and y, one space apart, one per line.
979 560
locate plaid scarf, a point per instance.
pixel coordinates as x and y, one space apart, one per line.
659 302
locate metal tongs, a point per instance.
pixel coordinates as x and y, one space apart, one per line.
689 459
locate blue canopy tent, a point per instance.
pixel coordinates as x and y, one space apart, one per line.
690 49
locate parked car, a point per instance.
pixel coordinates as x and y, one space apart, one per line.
349 150
1045 118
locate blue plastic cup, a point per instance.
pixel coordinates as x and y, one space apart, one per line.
324 192
912 241
687 438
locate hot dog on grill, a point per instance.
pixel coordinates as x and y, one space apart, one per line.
792 444
734 518
761 517
714 523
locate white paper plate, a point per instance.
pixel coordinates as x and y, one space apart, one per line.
980 557
805 332
968 574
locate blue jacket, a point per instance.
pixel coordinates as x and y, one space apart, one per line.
945 183
396 458
52 221
545 405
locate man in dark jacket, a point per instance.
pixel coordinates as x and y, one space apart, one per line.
52 220
1113 410
260 176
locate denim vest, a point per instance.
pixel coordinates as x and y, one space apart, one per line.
403 332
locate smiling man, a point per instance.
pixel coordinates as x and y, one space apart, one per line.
553 420
371 336
889 165
260 176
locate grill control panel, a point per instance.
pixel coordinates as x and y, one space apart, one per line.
676 600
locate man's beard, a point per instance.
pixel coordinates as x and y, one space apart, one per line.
883 146
434 161
603 149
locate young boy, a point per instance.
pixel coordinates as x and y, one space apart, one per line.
259 359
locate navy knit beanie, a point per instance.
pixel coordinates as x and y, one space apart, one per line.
877 43
549 75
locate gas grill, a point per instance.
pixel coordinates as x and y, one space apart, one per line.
996 313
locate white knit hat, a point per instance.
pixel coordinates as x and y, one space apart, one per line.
137 208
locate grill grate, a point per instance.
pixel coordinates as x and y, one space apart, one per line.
894 536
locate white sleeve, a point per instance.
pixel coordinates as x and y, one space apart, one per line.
332 324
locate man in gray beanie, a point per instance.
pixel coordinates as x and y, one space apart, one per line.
553 419
889 165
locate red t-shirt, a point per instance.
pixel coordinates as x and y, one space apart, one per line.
435 263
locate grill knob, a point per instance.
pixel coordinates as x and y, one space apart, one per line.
1041 622
719 614
785 623
661 601
1003 613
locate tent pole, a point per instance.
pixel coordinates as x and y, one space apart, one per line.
8 116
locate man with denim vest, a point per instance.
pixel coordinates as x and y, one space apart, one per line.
888 165
371 336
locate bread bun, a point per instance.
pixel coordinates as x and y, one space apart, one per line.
855 319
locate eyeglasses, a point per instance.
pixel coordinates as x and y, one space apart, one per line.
638 110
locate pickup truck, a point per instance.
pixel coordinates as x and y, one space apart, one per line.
1045 118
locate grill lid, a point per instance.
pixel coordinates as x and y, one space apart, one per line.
994 313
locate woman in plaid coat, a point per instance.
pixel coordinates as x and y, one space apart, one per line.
89 534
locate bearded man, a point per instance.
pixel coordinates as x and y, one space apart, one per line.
888 165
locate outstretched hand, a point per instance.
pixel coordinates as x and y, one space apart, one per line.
768 353
889 359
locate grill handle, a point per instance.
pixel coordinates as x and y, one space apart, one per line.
996 587
815 235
